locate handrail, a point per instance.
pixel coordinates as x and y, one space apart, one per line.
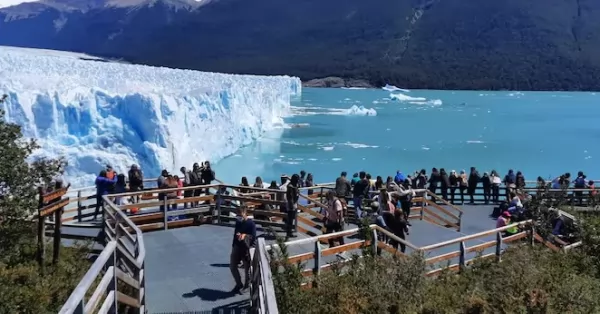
75 302
115 225
263 299
475 236
445 202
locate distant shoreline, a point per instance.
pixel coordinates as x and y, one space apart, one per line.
337 82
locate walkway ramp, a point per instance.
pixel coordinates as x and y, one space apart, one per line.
188 271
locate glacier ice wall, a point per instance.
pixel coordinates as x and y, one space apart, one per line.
96 113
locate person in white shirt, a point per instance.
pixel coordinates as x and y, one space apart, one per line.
496 182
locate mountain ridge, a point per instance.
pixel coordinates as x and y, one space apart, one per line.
437 44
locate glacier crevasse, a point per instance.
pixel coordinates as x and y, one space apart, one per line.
97 113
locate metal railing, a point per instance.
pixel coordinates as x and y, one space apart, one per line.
262 292
122 260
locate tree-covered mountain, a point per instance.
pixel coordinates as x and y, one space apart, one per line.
442 44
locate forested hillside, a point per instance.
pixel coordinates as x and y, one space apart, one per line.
437 44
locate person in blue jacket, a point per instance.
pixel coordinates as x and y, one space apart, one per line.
103 185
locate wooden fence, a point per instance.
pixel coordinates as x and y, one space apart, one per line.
437 263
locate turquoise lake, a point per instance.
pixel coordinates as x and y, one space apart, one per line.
540 133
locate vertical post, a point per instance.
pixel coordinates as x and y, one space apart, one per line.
317 266
218 201
498 246
103 210
532 235
57 234
374 242
165 212
422 210
79 206
459 221
113 283
321 195
41 231
461 262
142 291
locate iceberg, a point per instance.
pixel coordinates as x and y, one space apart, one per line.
95 112
402 97
360 111
392 88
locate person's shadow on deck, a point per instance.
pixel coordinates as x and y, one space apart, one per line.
209 294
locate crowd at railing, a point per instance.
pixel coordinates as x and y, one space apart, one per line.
118 227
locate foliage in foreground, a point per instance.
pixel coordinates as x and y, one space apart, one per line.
528 280
23 288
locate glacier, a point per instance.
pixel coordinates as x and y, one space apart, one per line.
93 112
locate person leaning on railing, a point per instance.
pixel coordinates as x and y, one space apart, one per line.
136 182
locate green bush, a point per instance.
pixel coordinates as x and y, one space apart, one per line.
23 287
530 279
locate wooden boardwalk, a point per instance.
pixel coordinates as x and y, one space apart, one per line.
186 265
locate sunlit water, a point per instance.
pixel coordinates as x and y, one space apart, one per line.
541 133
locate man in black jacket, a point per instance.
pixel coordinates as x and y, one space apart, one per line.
360 192
244 236
474 179
208 175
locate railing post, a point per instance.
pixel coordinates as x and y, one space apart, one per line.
165 211
498 246
374 242
103 216
79 206
460 214
321 195
114 283
461 262
532 235
317 266
217 211
422 211
142 291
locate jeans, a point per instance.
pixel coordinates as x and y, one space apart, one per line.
487 193
495 193
357 201
379 221
239 254
291 218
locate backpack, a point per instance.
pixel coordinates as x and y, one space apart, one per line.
580 182
136 177
194 179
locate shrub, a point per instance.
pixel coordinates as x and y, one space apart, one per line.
530 279
23 288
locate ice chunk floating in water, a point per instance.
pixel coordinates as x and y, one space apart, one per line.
95 113
402 97
361 111
392 88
